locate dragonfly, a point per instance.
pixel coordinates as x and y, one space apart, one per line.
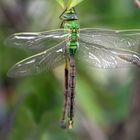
96 47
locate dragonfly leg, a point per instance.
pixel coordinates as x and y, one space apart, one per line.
60 17
72 91
61 26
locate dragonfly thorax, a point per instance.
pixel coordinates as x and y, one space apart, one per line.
71 25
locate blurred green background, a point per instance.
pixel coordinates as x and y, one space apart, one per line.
107 101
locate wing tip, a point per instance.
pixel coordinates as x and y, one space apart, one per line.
10 74
9 40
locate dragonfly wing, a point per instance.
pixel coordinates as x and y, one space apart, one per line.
103 57
37 41
43 61
128 39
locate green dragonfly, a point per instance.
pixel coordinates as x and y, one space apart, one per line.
101 48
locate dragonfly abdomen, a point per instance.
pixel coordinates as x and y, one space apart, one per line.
72 47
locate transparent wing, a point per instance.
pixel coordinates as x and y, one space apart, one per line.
103 57
128 39
45 60
37 41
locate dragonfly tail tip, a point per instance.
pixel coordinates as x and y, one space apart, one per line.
63 124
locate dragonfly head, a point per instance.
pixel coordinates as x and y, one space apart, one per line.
69 15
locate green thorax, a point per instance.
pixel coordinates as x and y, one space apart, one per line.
71 26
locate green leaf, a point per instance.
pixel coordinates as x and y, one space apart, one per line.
68 3
73 3
61 2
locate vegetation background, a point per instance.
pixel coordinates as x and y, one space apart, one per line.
107 101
